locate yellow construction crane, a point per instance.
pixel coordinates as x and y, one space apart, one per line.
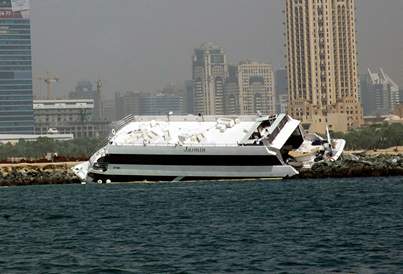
49 79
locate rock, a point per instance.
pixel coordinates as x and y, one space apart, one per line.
15 175
357 166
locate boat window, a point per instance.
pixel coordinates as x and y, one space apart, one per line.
265 124
277 129
296 139
195 160
255 135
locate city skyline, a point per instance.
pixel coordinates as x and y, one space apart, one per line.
141 45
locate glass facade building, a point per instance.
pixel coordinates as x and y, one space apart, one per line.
16 102
161 104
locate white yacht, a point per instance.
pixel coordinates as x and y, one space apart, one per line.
178 148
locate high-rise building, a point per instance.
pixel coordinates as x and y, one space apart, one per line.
400 72
171 99
109 110
209 74
189 96
322 63
16 107
128 103
231 92
141 103
380 94
162 104
281 88
281 82
256 88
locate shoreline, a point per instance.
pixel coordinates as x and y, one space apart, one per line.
350 166
353 164
24 174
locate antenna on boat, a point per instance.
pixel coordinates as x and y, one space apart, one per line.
329 139
328 134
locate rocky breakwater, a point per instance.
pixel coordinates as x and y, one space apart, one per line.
357 165
37 174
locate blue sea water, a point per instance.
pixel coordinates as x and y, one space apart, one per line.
297 226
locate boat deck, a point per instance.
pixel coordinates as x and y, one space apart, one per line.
182 133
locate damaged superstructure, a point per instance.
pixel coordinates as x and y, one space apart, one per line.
178 148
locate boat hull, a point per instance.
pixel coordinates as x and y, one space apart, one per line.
195 149
131 173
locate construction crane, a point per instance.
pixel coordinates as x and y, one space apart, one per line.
49 79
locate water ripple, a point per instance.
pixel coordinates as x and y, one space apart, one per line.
310 226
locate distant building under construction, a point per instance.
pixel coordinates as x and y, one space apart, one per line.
69 116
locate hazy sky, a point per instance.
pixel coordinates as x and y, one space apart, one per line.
146 44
